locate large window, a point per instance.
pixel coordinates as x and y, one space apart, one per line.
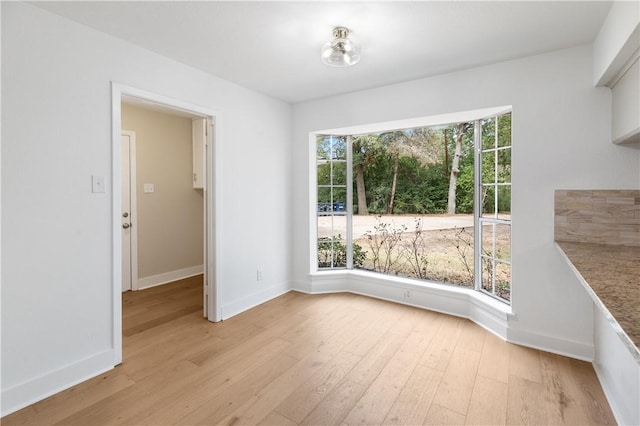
332 201
428 203
494 218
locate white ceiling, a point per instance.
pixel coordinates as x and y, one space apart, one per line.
274 47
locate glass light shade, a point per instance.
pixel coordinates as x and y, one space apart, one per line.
341 51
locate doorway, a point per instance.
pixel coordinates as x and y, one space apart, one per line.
169 206
210 270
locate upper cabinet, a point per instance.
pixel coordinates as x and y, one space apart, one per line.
625 109
615 64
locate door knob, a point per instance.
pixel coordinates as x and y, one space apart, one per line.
125 225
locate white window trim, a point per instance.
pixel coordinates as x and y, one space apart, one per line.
480 219
427 121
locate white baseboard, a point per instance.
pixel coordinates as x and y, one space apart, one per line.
301 286
485 311
488 315
328 283
245 303
559 346
38 388
411 295
168 277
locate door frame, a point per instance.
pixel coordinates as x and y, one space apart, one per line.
212 206
133 209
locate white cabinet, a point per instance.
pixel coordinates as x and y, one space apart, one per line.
615 64
199 136
625 119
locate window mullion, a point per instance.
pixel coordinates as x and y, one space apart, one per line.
477 204
495 169
332 159
494 271
349 206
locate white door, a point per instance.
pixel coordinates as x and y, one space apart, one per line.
202 136
212 309
127 139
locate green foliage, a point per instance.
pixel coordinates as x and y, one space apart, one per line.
424 165
465 185
365 149
420 189
332 179
332 252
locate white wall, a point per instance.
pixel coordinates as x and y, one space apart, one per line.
561 139
56 240
617 40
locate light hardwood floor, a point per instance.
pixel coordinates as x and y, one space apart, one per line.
322 359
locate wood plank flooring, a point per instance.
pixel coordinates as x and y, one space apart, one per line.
321 359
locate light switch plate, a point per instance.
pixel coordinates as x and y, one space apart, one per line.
97 184
149 188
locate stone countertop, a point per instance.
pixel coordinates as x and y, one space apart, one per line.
611 274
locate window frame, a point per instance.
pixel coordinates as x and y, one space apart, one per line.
332 214
470 116
480 220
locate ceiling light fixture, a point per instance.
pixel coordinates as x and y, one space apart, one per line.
341 51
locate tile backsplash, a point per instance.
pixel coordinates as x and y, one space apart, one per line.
598 216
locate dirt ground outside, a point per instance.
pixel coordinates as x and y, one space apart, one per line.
362 224
436 248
